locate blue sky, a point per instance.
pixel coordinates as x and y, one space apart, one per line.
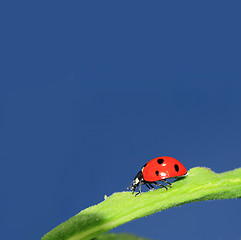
92 90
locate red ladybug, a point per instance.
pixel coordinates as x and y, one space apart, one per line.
158 169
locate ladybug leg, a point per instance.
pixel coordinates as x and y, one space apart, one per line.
165 181
139 190
149 186
160 185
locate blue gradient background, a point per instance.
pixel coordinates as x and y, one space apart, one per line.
92 90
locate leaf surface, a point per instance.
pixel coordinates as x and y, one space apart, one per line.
201 184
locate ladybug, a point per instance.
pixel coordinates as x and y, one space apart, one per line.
158 169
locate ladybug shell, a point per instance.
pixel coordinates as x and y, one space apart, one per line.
162 168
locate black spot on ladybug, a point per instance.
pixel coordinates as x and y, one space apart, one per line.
176 167
157 173
160 161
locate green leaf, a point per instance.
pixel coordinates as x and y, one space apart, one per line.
120 236
201 184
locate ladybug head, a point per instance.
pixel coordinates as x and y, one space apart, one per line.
137 180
